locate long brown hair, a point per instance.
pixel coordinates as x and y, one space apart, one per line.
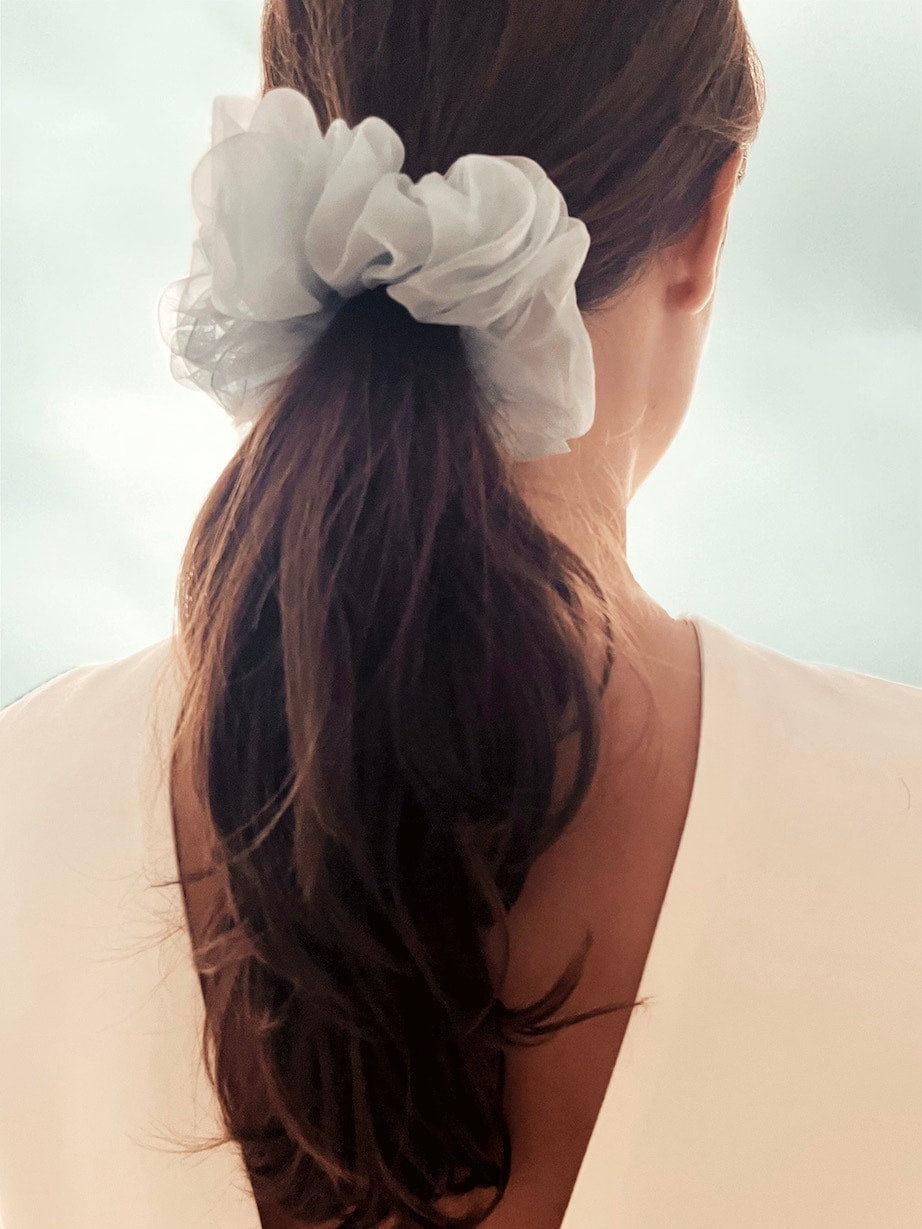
384 651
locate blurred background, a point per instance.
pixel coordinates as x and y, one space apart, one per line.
789 508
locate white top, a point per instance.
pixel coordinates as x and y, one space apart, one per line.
774 1081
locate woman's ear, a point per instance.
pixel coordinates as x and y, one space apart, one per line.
694 261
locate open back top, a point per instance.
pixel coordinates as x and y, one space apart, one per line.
773 1080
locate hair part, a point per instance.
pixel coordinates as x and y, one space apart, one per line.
386 656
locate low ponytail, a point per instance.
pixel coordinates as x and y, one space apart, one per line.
389 662
385 654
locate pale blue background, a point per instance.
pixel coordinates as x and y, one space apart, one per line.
788 509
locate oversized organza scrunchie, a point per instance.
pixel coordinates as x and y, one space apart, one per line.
293 221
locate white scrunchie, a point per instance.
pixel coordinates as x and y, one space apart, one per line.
292 221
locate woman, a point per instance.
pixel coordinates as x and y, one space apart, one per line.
532 906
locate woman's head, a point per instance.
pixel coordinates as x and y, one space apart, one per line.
392 701
642 113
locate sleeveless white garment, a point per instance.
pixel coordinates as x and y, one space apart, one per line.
773 1081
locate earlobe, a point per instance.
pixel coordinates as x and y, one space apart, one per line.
692 292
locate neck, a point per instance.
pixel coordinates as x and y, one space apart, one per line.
582 498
